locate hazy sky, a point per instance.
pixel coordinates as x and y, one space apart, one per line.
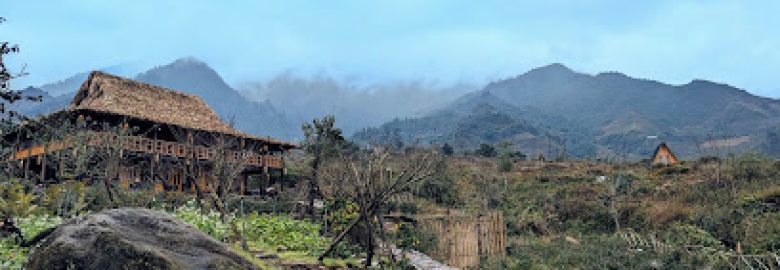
736 42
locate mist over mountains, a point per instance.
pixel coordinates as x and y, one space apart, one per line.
277 107
355 107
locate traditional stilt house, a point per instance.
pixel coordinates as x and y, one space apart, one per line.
143 136
663 156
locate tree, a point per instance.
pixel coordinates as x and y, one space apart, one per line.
504 157
322 141
8 96
446 149
190 139
227 168
619 191
370 179
486 150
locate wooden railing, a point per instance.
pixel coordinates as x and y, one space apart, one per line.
152 146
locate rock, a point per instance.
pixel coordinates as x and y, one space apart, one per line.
132 238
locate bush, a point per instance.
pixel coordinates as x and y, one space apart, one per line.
762 233
284 232
675 169
408 236
751 167
339 214
486 150
505 164
12 256
446 149
208 223
277 232
66 199
31 226
16 200
441 190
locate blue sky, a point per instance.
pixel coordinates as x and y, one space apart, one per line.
735 42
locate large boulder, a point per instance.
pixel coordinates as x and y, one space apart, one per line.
132 238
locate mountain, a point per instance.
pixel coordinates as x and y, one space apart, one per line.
45 106
70 85
194 77
473 119
355 105
611 113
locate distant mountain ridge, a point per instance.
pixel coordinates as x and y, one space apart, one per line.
610 114
550 110
191 76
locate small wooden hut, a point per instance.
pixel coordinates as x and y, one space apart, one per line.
159 138
663 156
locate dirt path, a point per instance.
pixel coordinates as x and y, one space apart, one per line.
420 260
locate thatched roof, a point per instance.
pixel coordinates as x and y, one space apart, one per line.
106 93
664 149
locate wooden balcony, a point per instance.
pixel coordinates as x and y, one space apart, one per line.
152 146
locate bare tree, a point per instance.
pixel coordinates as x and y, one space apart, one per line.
190 138
230 160
370 180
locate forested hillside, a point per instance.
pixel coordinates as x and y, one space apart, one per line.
598 116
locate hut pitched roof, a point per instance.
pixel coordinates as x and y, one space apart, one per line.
106 93
665 148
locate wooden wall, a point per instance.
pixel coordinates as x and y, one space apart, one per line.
465 240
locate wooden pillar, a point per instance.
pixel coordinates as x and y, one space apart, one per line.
266 174
25 167
180 177
283 174
244 183
58 174
43 167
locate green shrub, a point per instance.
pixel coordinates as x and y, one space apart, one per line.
16 200
66 199
409 236
284 232
33 225
440 189
208 223
486 150
752 166
339 214
12 256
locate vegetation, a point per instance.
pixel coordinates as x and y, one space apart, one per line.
719 212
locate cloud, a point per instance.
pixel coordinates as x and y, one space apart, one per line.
355 106
447 41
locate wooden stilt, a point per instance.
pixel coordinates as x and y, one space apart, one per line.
243 183
43 167
26 166
58 174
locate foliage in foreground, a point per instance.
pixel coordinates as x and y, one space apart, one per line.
277 232
12 256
